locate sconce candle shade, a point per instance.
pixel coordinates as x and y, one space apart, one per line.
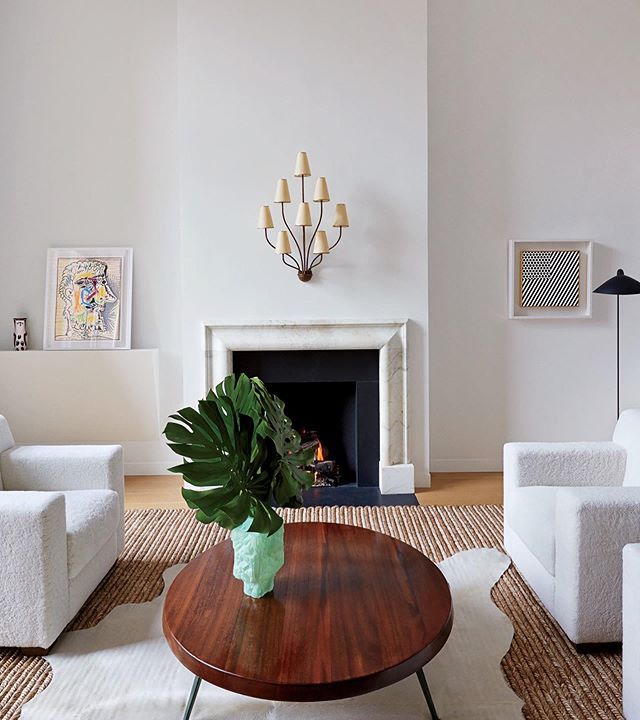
302 165
321 193
282 192
283 246
303 218
341 218
264 219
321 245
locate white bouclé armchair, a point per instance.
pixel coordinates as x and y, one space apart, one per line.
61 530
569 509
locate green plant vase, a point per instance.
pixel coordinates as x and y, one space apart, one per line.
257 558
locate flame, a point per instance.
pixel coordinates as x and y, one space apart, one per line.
320 453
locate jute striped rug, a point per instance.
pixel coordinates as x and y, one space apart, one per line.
541 666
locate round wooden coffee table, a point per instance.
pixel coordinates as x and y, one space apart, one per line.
352 611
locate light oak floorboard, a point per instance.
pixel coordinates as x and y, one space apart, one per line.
153 491
163 491
462 489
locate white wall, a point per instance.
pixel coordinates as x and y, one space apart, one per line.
88 156
534 132
345 82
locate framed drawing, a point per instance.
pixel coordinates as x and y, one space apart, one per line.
88 299
550 279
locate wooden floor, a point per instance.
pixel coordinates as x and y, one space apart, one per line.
163 491
462 489
153 491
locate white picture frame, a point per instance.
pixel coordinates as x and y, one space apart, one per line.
582 310
88 294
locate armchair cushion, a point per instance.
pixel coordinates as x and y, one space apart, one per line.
571 464
92 518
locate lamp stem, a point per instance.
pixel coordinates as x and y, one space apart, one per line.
304 236
618 352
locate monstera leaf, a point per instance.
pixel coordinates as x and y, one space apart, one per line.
290 476
241 453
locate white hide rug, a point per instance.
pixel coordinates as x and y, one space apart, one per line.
122 669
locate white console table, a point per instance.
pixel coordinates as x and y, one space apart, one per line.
83 396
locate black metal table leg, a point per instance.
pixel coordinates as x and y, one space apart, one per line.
192 697
427 695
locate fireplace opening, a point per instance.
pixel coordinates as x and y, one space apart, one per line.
332 397
324 415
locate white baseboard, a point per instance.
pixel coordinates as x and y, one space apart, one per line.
153 458
146 468
148 458
467 465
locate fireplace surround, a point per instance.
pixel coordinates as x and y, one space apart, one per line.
388 337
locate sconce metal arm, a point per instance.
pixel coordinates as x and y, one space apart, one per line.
266 237
295 267
284 220
313 237
337 241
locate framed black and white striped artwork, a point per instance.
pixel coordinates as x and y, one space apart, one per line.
549 278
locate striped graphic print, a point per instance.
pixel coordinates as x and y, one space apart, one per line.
550 278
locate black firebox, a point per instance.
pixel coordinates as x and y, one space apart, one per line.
332 397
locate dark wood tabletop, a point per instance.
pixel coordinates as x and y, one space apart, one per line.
352 611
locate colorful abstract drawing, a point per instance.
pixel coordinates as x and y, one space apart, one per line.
88 299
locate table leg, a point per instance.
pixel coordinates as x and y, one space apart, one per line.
427 695
192 697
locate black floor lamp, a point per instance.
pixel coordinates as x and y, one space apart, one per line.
619 284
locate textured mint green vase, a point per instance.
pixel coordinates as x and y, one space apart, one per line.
257 558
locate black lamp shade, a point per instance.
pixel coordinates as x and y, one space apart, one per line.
619 284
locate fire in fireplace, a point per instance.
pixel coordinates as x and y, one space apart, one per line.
326 471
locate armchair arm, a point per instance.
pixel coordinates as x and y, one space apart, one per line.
561 464
34 602
592 527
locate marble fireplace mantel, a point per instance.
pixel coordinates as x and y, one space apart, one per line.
387 336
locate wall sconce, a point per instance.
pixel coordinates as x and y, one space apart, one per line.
317 243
